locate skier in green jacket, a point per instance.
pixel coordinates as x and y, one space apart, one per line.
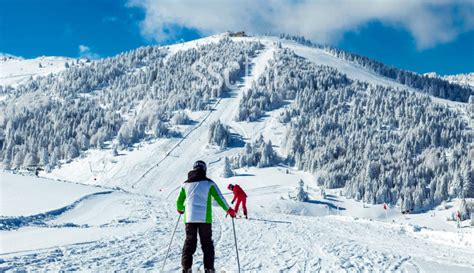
195 201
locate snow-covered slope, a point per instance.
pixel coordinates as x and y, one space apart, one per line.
26 195
102 228
167 158
14 70
123 231
466 79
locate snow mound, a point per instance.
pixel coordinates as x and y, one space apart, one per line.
10 223
29 195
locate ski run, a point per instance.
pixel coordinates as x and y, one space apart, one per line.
117 230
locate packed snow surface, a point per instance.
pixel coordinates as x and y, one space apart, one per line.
124 231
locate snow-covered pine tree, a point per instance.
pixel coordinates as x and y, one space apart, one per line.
180 118
115 150
256 154
227 171
301 194
464 210
219 134
468 182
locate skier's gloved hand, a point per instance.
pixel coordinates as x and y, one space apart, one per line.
232 202
231 212
180 211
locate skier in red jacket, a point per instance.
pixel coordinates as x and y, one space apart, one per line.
240 196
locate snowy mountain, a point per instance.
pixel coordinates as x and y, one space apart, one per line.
269 110
16 70
4 57
461 79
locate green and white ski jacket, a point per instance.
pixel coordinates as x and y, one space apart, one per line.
195 199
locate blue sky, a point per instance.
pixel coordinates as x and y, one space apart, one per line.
417 36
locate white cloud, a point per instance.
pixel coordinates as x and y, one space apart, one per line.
429 21
86 52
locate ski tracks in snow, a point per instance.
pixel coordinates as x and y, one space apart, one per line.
269 242
132 248
166 172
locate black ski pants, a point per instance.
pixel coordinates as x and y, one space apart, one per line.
190 244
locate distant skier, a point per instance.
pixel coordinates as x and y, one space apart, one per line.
240 196
194 201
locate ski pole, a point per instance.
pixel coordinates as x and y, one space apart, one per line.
236 248
171 241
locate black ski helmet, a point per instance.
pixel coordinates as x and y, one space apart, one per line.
200 165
